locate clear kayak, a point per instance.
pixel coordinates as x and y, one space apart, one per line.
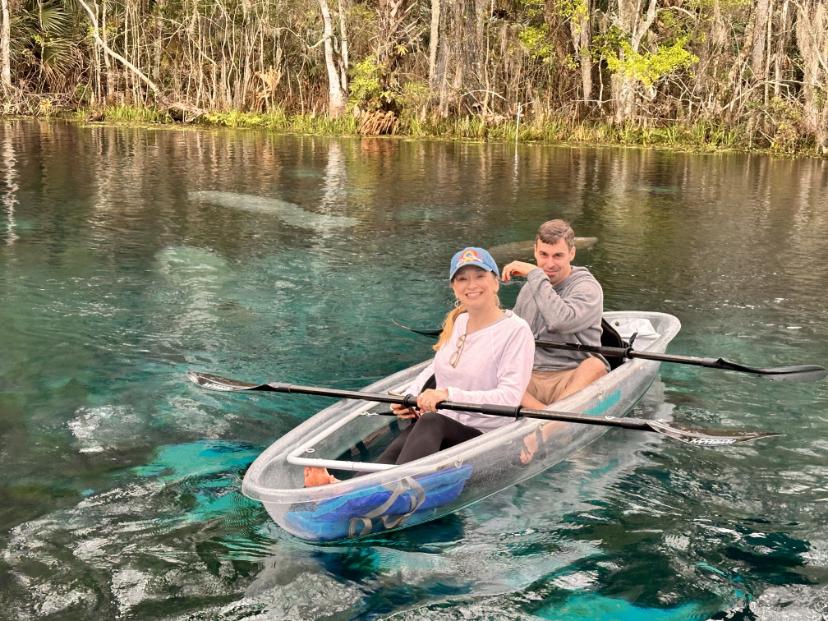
377 498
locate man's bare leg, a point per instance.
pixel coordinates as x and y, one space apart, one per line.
585 373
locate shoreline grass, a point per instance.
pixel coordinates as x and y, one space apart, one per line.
701 137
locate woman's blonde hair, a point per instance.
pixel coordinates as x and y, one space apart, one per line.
448 326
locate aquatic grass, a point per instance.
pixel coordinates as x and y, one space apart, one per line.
123 113
414 127
706 135
277 120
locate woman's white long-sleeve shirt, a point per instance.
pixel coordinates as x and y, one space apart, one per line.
494 368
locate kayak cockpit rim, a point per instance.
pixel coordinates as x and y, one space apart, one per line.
296 458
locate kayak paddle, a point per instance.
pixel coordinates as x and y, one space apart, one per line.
795 373
702 437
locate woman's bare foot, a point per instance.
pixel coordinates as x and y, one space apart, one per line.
318 476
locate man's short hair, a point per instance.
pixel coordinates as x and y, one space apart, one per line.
552 231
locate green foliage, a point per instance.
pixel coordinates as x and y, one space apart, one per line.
82 94
604 45
575 11
43 37
650 67
536 40
366 87
786 118
415 93
551 128
724 5
413 100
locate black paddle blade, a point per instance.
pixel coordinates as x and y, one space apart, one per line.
215 382
424 332
709 437
801 373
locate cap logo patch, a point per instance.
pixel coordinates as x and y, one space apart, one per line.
469 256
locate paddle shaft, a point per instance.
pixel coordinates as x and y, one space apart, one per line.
627 352
708 437
803 372
410 401
613 352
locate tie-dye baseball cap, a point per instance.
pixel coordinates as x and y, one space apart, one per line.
473 256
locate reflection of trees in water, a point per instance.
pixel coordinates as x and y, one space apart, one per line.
9 133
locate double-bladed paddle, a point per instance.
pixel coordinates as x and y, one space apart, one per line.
795 373
703 437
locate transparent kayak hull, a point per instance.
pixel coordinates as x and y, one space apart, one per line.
348 434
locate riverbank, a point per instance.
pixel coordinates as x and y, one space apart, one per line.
701 137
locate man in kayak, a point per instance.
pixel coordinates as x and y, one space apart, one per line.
561 303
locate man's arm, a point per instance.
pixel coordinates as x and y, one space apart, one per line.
516 268
580 308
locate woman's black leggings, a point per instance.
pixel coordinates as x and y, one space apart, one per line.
430 433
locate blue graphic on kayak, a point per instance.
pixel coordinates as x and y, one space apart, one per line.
378 507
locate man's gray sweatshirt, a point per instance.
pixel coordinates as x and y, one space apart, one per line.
569 312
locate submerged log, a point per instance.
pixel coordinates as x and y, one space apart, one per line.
183 112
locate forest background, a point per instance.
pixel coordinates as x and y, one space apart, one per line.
708 74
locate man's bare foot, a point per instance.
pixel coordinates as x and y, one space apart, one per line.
535 441
530 446
318 476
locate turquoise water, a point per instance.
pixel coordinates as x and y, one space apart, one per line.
128 256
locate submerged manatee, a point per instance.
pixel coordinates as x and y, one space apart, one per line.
524 249
289 213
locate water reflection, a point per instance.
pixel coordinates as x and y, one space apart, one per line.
11 188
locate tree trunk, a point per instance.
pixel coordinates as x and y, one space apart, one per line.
5 43
758 47
446 55
336 94
433 44
343 49
780 60
580 27
157 44
624 97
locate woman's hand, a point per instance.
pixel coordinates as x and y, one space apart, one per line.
428 400
400 411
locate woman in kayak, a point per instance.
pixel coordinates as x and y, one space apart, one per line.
484 356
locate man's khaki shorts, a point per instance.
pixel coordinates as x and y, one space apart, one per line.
547 386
